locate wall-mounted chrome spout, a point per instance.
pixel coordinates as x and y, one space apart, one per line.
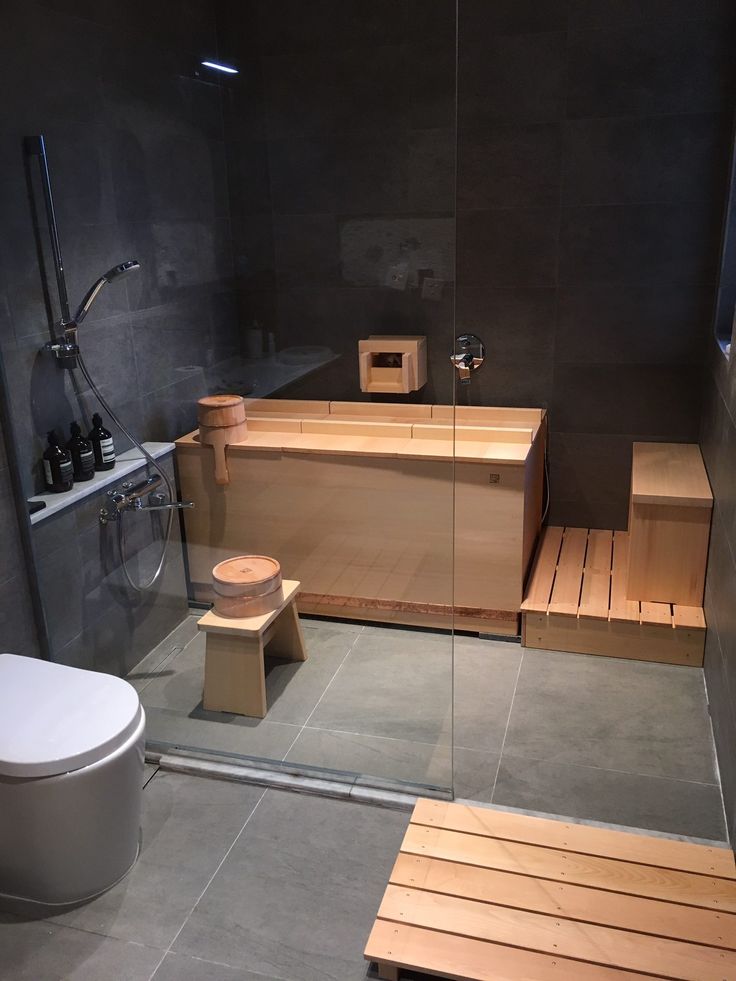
161 504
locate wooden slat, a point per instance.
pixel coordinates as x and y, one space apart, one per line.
464 959
566 589
561 866
689 617
641 849
543 575
595 596
564 899
656 613
621 607
556 935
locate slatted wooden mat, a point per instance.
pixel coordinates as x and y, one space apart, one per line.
576 601
478 894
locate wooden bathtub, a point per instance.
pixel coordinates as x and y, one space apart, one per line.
356 501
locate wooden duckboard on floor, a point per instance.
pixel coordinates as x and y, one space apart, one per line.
478 894
576 601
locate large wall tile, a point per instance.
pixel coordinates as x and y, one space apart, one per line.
507 248
586 14
510 78
633 324
306 250
17 626
518 329
512 17
431 170
667 243
510 166
590 476
283 27
628 70
322 91
645 160
657 402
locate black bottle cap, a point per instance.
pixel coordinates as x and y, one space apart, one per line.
97 419
75 430
52 437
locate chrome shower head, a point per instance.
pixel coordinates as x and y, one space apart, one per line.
120 270
130 265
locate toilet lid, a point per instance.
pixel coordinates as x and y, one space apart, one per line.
54 718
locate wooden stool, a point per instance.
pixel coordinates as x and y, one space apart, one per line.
234 671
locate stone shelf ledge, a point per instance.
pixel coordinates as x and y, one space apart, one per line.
128 462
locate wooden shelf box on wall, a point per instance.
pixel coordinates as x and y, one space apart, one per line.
669 524
393 364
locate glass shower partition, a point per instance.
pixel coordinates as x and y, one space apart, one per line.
293 227
341 179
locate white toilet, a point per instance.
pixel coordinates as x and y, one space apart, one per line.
71 776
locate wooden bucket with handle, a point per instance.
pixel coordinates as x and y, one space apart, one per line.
221 423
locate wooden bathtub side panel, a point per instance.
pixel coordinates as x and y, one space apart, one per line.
360 526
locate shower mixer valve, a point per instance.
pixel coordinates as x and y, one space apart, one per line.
130 498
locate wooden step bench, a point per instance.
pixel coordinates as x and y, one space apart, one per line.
478 894
576 601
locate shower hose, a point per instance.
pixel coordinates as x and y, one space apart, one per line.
139 587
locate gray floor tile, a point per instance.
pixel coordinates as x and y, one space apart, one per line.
179 967
229 734
297 896
152 664
388 759
485 677
339 626
188 825
177 684
393 683
474 774
44 951
293 688
621 715
149 771
658 804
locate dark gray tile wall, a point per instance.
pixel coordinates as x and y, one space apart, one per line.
592 156
718 443
348 169
593 152
17 627
93 617
137 150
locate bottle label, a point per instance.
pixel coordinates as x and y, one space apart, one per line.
47 473
86 461
107 449
66 470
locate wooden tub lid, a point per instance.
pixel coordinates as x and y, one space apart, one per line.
220 401
221 410
246 575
